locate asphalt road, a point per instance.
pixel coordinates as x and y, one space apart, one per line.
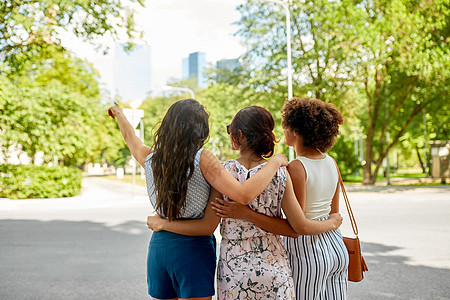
94 246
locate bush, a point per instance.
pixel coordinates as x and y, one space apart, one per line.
31 181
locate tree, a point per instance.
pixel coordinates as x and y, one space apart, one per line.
28 27
50 100
322 55
405 63
381 62
53 120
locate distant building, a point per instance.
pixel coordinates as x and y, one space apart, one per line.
228 64
185 68
194 66
132 72
225 68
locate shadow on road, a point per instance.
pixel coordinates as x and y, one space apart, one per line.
391 277
72 260
86 260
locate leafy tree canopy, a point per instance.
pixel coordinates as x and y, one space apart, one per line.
29 27
380 62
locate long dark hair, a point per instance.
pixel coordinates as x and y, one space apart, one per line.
256 124
183 131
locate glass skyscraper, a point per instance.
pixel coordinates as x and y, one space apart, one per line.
231 65
132 72
194 67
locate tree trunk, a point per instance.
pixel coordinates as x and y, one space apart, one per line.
420 161
369 158
377 168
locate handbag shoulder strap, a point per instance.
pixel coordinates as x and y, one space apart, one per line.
347 203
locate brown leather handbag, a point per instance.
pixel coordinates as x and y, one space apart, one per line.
357 264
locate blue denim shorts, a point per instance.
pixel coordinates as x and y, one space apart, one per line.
180 266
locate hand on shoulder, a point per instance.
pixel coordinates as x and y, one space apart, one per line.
281 159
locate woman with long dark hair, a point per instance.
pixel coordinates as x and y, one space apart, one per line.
253 263
179 178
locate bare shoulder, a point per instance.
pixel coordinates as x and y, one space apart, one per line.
296 169
141 153
206 157
295 165
209 163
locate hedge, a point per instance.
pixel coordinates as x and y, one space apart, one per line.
31 181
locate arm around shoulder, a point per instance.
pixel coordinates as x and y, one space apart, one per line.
235 210
225 183
198 227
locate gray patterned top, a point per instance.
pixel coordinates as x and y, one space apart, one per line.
197 192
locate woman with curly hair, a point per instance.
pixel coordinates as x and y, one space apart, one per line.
253 263
319 262
179 177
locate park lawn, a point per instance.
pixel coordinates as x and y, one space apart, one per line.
128 178
349 179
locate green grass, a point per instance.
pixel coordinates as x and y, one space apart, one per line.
348 179
402 173
359 178
422 184
128 178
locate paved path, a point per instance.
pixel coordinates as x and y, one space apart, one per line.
405 234
94 246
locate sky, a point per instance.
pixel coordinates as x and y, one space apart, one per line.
173 29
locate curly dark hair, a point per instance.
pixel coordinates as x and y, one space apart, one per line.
183 131
256 124
317 122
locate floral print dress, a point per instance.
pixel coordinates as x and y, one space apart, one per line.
253 263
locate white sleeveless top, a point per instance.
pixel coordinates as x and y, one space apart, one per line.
321 182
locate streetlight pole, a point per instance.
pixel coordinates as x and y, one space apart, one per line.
285 5
425 138
181 89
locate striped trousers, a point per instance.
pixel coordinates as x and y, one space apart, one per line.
319 265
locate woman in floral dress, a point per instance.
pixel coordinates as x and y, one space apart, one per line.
253 263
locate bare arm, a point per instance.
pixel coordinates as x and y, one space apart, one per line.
296 222
296 217
298 175
226 184
205 226
235 210
139 150
335 200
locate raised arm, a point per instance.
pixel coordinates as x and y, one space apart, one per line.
139 150
296 222
226 184
205 226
